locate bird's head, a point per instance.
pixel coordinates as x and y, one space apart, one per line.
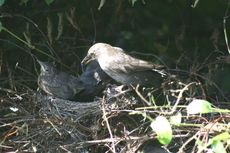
95 52
46 67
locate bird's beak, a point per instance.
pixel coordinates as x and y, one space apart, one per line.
41 63
86 60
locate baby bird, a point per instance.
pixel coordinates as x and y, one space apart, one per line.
57 83
95 81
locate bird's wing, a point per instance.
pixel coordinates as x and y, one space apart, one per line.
65 80
127 63
118 49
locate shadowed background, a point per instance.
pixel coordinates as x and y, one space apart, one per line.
167 32
179 35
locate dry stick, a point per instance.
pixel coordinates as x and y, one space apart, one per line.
225 31
63 148
179 97
117 139
7 147
208 131
107 124
225 35
195 3
187 142
140 95
47 120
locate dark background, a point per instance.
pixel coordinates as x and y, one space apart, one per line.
168 32
182 37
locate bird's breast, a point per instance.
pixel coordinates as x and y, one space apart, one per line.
109 65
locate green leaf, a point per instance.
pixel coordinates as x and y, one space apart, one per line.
24 2
2 2
101 4
1 27
217 142
133 2
221 137
48 2
198 106
218 147
163 129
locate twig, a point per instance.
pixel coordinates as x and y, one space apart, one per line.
179 97
140 95
224 26
107 124
117 139
195 3
187 142
53 126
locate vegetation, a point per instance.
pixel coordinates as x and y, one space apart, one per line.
191 38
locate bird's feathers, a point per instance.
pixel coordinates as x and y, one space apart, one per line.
122 67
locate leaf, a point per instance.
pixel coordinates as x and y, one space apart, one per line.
48 2
163 129
217 142
60 25
2 2
49 30
1 27
218 147
199 106
221 137
101 4
133 2
24 2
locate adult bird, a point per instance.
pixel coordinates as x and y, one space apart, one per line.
124 68
57 83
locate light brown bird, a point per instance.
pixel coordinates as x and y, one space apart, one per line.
124 68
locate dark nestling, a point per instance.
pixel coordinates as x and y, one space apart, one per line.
57 83
94 80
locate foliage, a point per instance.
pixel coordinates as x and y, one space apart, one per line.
199 106
188 37
163 129
2 2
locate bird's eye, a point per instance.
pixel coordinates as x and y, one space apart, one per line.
92 55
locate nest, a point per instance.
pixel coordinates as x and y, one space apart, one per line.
33 122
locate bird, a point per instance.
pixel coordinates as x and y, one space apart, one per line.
57 83
124 68
95 81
